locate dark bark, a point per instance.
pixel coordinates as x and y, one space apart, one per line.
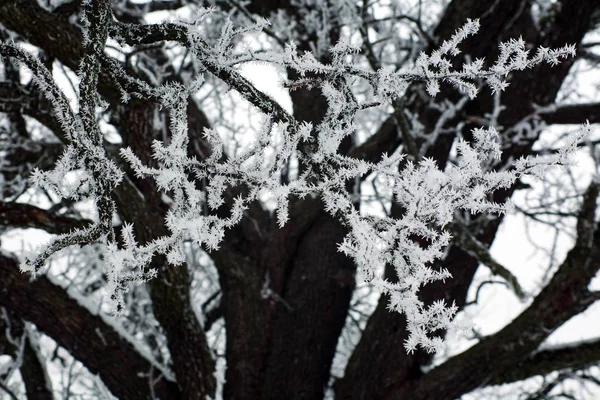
85 335
307 328
192 359
256 256
248 320
572 114
37 384
35 378
19 215
576 356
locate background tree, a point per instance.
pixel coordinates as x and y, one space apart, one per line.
192 193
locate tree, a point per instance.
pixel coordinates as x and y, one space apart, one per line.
193 244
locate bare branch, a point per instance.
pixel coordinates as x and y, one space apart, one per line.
573 357
18 215
475 248
571 113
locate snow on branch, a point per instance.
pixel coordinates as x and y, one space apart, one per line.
42 77
429 196
91 173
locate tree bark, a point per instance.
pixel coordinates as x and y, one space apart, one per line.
85 335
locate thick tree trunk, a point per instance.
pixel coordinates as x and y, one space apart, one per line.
306 330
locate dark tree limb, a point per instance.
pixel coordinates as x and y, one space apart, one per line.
572 114
85 335
171 303
18 215
60 39
590 56
467 242
63 41
172 306
33 373
573 357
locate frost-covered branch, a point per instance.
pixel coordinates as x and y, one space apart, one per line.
45 81
564 296
209 57
428 195
96 175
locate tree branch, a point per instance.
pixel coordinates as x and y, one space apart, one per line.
589 56
564 297
475 248
84 335
566 357
571 114
18 215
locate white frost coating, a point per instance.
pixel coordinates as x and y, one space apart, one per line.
428 195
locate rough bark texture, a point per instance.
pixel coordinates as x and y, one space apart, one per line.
51 309
15 339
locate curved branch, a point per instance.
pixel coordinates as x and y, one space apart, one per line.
469 243
18 215
566 357
86 336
